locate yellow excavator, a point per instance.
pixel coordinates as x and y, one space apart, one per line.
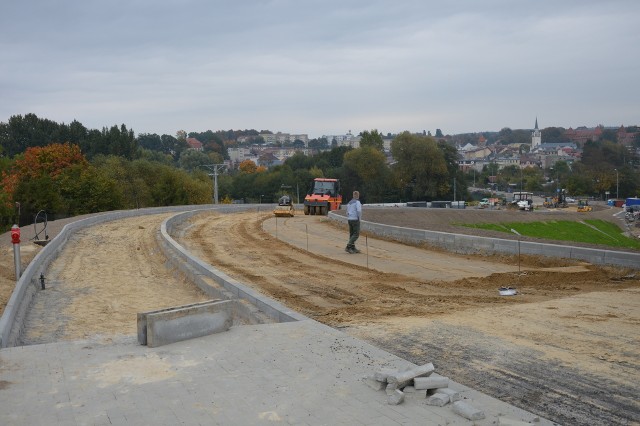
560 200
284 207
584 207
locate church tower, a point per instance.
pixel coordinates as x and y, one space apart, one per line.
536 137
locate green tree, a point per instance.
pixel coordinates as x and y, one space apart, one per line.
372 139
191 160
319 144
28 131
554 135
152 142
421 169
155 156
173 146
451 158
365 170
87 190
299 161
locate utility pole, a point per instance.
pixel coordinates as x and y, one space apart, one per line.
521 188
215 168
454 189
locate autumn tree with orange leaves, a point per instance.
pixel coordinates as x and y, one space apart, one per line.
56 178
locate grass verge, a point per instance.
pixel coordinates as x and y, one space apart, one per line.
587 231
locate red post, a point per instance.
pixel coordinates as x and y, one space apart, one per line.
15 234
15 240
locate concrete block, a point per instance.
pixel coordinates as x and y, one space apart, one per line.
454 395
142 318
437 399
409 389
430 382
180 324
373 383
395 398
467 411
404 378
391 388
381 375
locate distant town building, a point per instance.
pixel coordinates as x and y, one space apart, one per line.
284 138
267 156
347 139
194 144
581 135
625 137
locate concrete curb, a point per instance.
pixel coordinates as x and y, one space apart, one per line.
469 244
196 269
12 321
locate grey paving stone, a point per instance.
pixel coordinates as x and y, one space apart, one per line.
437 399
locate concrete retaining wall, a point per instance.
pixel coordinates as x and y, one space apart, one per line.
142 318
469 244
12 321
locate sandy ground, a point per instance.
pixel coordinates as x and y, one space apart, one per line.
106 275
566 347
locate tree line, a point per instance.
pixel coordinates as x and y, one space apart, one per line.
69 170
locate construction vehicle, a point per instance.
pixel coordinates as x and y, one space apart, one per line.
584 207
488 202
521 201
323 197
559 201
284 207
548 202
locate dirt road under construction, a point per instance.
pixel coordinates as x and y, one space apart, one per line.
554 349
566 347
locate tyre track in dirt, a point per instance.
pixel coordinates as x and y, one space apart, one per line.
240 249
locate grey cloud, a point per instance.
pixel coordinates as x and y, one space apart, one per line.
316 66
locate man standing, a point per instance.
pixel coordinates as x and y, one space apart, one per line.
354 213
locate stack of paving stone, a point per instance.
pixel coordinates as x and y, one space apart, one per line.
420 381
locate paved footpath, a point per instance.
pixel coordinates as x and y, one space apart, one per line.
297 373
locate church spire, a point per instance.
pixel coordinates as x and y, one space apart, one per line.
536 137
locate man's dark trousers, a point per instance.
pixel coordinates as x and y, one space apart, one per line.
354 233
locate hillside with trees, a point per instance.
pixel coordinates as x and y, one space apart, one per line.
68 169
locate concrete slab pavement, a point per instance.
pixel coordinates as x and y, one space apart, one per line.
301 373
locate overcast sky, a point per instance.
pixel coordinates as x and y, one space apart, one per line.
322 67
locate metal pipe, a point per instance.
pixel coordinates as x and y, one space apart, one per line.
16 259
